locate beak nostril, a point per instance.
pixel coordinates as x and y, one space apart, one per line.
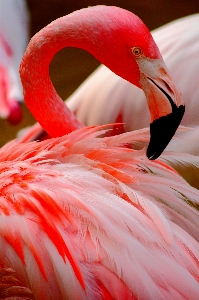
168 87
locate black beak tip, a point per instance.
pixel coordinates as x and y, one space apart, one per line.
162 131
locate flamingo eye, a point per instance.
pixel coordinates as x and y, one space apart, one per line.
136 51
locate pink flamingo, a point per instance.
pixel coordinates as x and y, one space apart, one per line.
82 217
179 45
13 41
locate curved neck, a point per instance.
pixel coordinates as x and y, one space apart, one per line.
39 93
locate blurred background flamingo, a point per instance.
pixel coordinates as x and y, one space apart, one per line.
83 217
104 91
13 41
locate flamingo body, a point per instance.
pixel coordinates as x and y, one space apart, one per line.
84 218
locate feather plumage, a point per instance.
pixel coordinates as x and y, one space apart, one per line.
72 225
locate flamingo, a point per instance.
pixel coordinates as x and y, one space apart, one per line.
13 41
82 216
179 45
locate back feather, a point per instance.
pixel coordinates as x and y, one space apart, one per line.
83 217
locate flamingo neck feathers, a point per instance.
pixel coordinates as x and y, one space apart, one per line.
96 30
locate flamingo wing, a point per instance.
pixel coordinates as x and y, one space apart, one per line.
83 217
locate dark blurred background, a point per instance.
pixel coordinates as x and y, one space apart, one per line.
70 67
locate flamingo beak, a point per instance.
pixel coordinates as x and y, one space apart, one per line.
165 104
